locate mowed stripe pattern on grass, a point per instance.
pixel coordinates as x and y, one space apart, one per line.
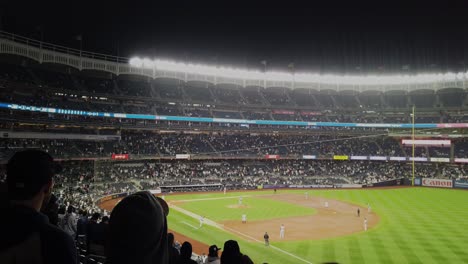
418 225
256 208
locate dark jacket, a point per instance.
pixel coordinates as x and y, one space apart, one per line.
81 225
28 237
92 231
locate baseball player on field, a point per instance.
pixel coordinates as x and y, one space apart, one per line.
244 218
266 237
282 231
202 218
307 195
326 204
365 224
240 200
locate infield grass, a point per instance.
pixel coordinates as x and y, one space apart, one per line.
418 225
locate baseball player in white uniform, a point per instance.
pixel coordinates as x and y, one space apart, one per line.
306 195
365 224
282 231
240 200
326 204
244 218
202 218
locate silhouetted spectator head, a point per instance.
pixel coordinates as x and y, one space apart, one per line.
186 251
170 239
138 231
83 212
30 176
213 251
105 220
95 216
231 252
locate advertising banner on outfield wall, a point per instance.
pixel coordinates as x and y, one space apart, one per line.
440 160
388 183
358 157
120 156
418 158
437 183
277 186
377 158
310 186
340 157
398 158
348 186
182 156
272 156
461 184
461 160
417 181
309 156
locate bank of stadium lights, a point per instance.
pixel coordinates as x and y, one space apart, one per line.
227 72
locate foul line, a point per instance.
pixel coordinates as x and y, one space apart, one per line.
212 223
219 198
277 248
195 227
209 199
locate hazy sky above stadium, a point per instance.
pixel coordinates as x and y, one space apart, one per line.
330 36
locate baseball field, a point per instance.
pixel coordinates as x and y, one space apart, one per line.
405 225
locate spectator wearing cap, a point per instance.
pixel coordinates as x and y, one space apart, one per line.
138 231
174 254
186 254
26 234
213 255
232 255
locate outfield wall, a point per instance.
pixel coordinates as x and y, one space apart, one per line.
441 183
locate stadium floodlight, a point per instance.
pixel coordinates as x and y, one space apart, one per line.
235 73
136 62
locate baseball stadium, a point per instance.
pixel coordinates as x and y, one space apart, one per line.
277 166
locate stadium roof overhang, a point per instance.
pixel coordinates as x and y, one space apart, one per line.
223 75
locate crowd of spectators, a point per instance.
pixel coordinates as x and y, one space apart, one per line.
148 143
45 225
80 184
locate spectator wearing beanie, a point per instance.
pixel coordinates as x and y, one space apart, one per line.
26 234
138 231
232 255
186 254
173 252
213 255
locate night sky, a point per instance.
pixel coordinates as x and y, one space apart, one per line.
328 36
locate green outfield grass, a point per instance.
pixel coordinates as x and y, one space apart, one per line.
418 225
256 208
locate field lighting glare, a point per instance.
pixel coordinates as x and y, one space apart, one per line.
234 73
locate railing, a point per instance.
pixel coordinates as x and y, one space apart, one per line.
62 49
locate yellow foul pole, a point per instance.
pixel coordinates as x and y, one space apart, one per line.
412 181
